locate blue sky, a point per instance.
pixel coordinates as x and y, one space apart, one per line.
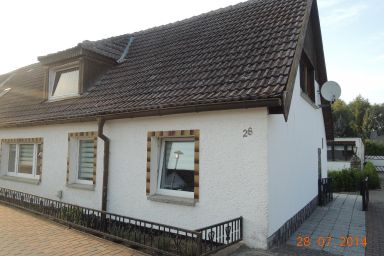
353 39
353 32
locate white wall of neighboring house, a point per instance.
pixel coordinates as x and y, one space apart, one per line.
338 165
54 172
360 152
293 158
233 169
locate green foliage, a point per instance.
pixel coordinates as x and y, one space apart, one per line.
358 107
373 176
349 180
373 148
358 118
342 118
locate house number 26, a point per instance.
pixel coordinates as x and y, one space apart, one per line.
247 132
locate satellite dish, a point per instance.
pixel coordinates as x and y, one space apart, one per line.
331 91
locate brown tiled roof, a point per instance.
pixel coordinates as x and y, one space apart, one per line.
242 53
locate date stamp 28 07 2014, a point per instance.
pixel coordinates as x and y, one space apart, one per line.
326 241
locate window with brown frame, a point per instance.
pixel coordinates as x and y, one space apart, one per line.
307 77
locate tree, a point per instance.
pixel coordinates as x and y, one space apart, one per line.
342 119
374 120
359 108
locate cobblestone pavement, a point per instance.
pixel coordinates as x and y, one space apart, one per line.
375 222
333 224
22 233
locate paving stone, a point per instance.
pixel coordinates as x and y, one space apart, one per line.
375 223
26 234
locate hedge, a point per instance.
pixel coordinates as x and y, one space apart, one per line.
348 180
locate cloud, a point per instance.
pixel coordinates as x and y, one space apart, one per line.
342 14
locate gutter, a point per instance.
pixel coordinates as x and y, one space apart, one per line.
101 135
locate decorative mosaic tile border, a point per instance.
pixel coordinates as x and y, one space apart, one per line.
39 141
175 134
82 135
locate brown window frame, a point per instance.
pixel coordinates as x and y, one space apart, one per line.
307 77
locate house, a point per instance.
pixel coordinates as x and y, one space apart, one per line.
341 151
187 124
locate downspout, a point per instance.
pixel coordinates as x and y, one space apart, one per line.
101 135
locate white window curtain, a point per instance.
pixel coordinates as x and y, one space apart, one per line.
12 158
26 158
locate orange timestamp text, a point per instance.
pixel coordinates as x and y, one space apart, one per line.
325 241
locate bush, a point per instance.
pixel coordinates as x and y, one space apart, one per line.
374 148
373 176
349 180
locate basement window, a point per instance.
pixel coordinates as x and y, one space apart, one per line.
64 82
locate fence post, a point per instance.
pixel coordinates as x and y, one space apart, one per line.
199 243
364 191
241 227
319 194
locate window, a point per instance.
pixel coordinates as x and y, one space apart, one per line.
307 77
86 154
82 151
176 170
22 157
173 166
341 153
64 81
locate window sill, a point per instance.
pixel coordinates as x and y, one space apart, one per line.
82 186
307 99
21 179
172 200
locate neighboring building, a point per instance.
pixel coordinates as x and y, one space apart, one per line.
377 161
187 124
341 151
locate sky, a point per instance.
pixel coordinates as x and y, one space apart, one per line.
352 31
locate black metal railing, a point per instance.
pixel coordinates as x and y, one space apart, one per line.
222 234
364 192
153 236
325 194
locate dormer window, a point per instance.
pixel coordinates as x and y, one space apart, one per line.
64 81
73 72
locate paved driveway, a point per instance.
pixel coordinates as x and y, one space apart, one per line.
338 228
24 234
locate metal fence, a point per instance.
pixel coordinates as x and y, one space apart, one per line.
156 237
364 192
325 193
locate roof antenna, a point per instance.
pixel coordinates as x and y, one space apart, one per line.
125 53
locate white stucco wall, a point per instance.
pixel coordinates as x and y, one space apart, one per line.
293 158
233 170
338 165
54 168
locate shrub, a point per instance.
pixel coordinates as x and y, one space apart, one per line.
373 176
348 180
374 148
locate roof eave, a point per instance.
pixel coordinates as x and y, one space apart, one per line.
245 104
